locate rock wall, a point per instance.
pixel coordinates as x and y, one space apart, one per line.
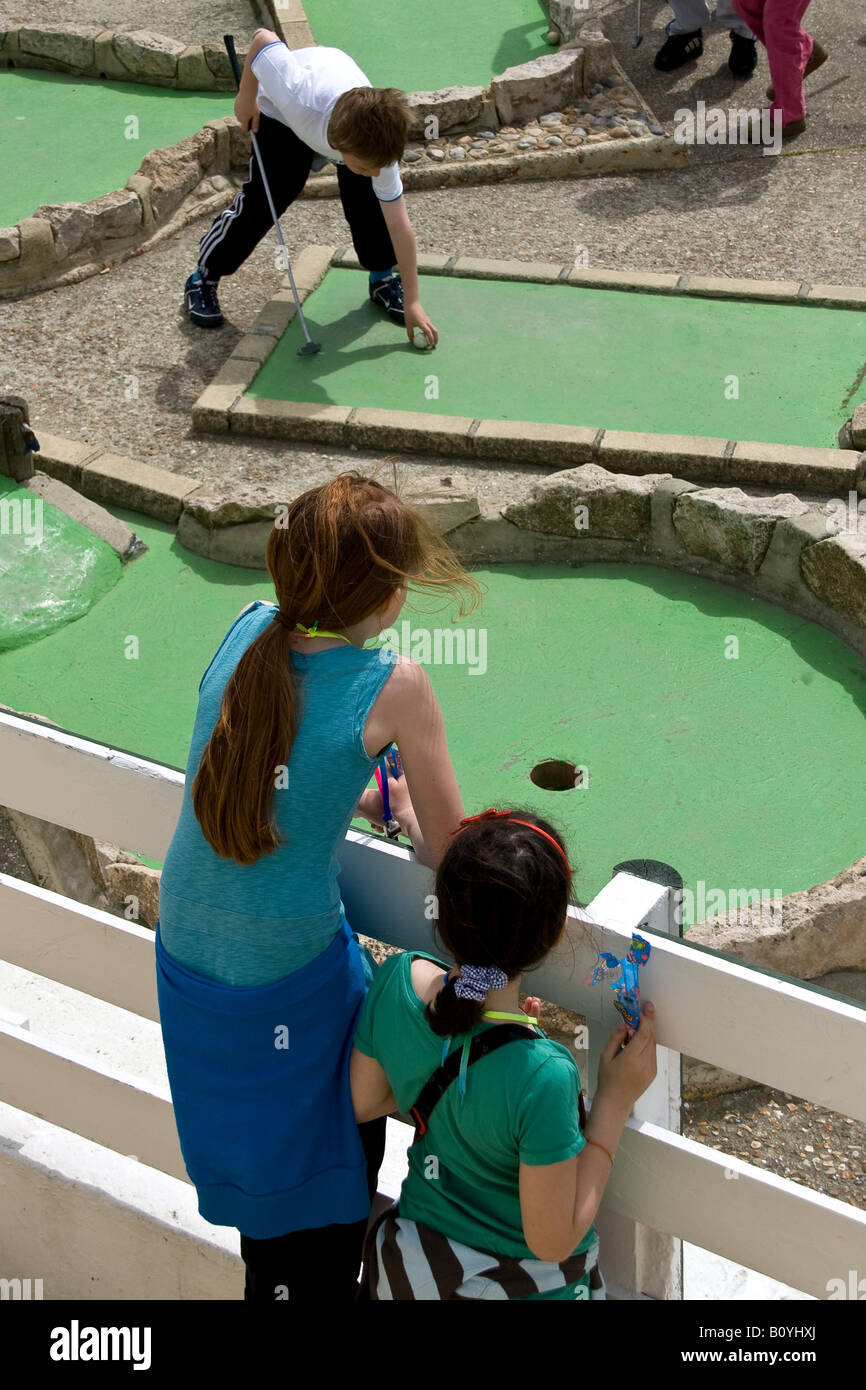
811 557
77 866
136 55
61 242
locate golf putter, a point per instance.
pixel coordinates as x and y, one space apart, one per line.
638 38
309 347
391 763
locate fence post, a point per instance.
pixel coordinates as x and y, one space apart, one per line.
636 1261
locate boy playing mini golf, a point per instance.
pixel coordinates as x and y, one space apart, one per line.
307 107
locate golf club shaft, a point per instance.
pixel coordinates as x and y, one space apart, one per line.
638 35
286 262
229 42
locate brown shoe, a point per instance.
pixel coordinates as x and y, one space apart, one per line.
818 56
793 128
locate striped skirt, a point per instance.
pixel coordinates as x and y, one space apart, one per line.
404 1260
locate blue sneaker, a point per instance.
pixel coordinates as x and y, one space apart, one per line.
202 304
389 294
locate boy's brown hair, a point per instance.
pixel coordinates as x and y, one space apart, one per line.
370 123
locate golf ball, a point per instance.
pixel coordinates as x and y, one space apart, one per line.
420 341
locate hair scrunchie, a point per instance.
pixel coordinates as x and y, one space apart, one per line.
474 981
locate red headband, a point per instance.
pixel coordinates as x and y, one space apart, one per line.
491 813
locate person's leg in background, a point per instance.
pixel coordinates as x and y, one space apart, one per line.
743 57
689 15
371 240
789 49
240 227
684 34
322 1262
751 12
726 14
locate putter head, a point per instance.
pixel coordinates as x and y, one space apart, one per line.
638 41
309 349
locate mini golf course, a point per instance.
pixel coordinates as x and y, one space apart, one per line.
422 47
69 139
726 768
572 355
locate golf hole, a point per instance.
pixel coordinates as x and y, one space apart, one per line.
556 775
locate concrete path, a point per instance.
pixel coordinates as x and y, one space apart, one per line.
190 21
836 115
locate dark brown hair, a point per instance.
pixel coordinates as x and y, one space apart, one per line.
502 892
371 123
338 555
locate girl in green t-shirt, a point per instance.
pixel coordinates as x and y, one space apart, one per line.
504 1184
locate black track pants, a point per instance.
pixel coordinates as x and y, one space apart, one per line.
236 231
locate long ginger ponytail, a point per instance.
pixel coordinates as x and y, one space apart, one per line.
336 556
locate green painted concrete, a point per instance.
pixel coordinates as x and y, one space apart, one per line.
93 680
66 137
421 46
564 355
728 769
52 569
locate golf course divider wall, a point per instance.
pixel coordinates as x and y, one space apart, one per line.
128 55
807 554
63 243
223 406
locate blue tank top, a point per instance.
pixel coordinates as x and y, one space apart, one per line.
252 924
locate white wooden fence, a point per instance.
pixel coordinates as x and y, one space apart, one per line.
664 1188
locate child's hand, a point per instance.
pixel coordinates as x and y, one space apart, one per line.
370 808
624 1076
247 111
531 1005
398 796
415 317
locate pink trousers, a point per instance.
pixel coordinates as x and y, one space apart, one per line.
777 24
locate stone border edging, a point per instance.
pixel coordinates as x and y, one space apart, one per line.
63 243
222 407
128 55
50 248
636 154
781 548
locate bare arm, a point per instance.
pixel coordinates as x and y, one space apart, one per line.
246 108
426 800
403 241
559 1201
371 1089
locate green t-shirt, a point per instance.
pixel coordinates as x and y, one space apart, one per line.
521 1106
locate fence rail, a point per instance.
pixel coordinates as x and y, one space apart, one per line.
755 1023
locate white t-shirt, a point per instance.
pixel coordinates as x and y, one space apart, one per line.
300 87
